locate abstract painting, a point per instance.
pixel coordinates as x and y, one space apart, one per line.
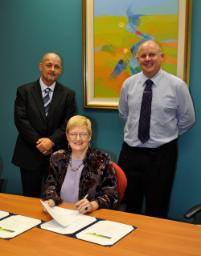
112 32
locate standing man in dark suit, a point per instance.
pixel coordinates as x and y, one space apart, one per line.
41 111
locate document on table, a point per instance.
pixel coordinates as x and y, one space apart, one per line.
3 214
15 225
105 232
76 225
69 220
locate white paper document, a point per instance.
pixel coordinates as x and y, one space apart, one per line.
105 232
3 214
15 225
69 220
77 224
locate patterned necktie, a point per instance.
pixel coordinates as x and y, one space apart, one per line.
47 100
145 112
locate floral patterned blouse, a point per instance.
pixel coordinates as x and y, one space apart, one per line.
98 178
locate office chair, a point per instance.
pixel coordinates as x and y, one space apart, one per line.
194 213
121 181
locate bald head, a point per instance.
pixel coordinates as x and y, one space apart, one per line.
149 44
50 55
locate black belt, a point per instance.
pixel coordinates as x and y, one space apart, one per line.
166 145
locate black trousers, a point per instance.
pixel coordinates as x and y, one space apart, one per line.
33 180
150 173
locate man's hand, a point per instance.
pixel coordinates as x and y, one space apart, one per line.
44 145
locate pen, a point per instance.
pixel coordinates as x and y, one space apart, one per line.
99 235
85 197
7 230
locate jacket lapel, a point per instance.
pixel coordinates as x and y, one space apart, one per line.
56 99
37 97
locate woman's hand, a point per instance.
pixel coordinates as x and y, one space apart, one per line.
50 202
84 206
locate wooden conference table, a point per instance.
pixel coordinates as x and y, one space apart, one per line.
153 237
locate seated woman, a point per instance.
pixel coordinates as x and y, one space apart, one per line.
81 175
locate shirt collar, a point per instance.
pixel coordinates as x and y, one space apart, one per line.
155 78
44 86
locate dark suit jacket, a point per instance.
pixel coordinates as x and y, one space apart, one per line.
32 123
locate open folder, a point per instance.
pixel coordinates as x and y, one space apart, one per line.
105 232
3 214
15 225
65 221
71 222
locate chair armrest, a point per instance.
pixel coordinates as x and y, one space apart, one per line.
192 211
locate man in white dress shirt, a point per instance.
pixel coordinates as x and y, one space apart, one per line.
149 155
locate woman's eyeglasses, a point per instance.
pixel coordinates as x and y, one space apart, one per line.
82 135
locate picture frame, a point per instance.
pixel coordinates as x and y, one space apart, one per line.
112 31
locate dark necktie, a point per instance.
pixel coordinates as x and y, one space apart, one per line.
47 100
145 112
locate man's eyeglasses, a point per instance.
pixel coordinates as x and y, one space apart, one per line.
82 135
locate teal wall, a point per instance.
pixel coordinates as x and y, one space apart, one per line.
30 28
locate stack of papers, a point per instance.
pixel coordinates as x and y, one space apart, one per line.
65 221
15 225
